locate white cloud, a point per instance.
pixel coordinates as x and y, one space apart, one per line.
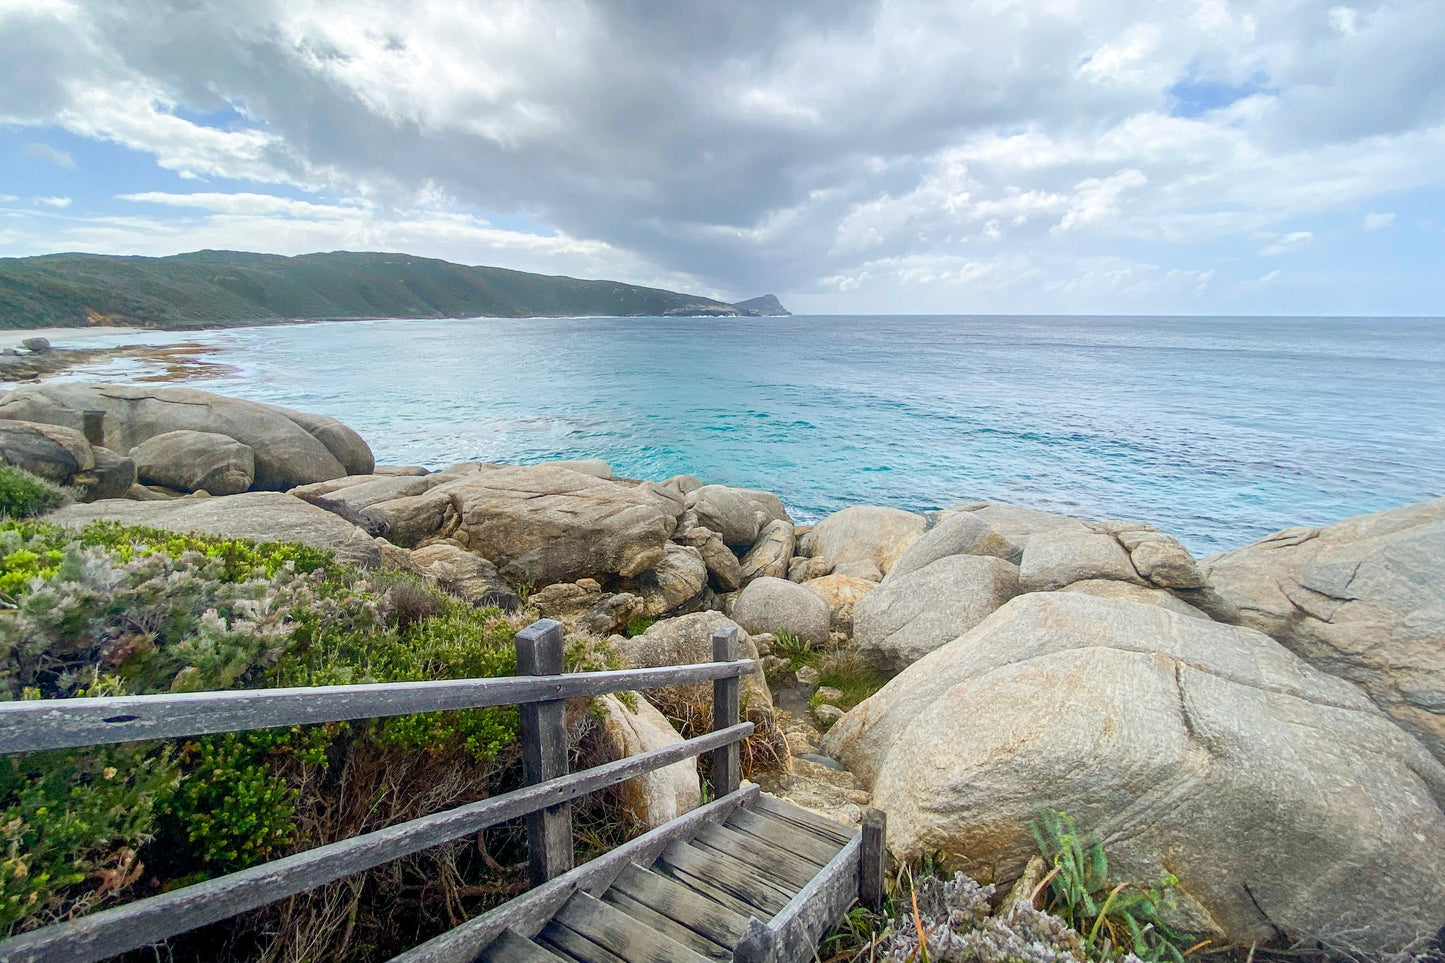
1375 221
1287 243
59 203
50 155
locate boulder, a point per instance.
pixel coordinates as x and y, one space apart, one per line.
679 578
683 484
911 615
112 475
400 470
610 614
290 448
1061 556
192 461
806 569
546 524
1157 557
736 514
1363 599
771 553
722 564
36 345
957 533
354 501
842 593
1284 801
595 467
259 516
776 605
631 728
412 519
1018 524
1128 591
469 577
687 640
46 451
864 541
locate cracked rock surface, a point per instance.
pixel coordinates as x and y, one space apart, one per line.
1285 801
1363 599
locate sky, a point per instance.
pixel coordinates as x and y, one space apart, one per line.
997 156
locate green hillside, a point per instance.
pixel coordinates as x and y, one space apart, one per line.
211 288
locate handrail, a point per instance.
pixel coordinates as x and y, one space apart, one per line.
542 694
72 723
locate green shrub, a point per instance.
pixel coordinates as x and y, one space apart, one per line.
23 494
851 674
636 627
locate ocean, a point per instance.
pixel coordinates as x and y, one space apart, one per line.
1217 430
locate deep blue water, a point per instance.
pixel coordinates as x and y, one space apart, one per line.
1218 430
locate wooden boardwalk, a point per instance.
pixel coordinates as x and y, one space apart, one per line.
718 891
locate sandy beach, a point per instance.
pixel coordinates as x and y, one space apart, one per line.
64 336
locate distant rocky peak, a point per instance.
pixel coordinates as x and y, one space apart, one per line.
766 306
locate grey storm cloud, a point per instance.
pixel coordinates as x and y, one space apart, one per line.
769 146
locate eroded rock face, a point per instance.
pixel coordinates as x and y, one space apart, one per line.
957 533
722 564
113 476
260 516
1282 798
290 448
1128 591
47 451
738 515
192 461
656 797
1061 556
911 615
776 605
1363 599
469 577
864 541
842 593
771 553
680 578
541 523
1018 524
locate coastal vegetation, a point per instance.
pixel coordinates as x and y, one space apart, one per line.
221 288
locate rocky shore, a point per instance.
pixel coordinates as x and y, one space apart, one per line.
1266 725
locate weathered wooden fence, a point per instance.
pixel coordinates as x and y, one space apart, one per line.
540 689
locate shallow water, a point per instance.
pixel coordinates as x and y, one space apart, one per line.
1218 430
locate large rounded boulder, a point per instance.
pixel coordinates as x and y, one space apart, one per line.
1285 802
737 514
864 541
687 640
957 533
291 448
192 461
1363 599
911 615
777 606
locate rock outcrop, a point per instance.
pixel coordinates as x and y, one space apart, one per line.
1363 599
1285 802
192 461
776 605
842 593
687 640
656 797
47 451
469 577
290 448
957 533
771 553
738 515
260 516
863 541
910 616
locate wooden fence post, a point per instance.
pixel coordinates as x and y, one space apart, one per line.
873 876
544 751
726 761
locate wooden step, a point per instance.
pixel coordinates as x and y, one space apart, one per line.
667 896
768 806
785 836
510 947
609 927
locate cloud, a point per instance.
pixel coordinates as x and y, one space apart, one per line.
59 203
50 155
1376 221
795 147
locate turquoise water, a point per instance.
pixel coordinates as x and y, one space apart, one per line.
1217 430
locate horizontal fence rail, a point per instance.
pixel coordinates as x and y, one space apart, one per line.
72 723
113 931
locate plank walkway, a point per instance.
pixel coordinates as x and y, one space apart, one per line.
730 877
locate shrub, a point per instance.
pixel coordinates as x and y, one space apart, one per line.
636 627
851 674
23 495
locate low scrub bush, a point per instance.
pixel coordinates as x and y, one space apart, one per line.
23 495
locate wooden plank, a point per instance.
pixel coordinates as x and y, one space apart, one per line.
726 705
114 931
783 835
667 926
543 735
609 927
708 889
511 948
69 723
873 860
768 806
737 878
529 912
669 897
576 946
792 870
795 931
